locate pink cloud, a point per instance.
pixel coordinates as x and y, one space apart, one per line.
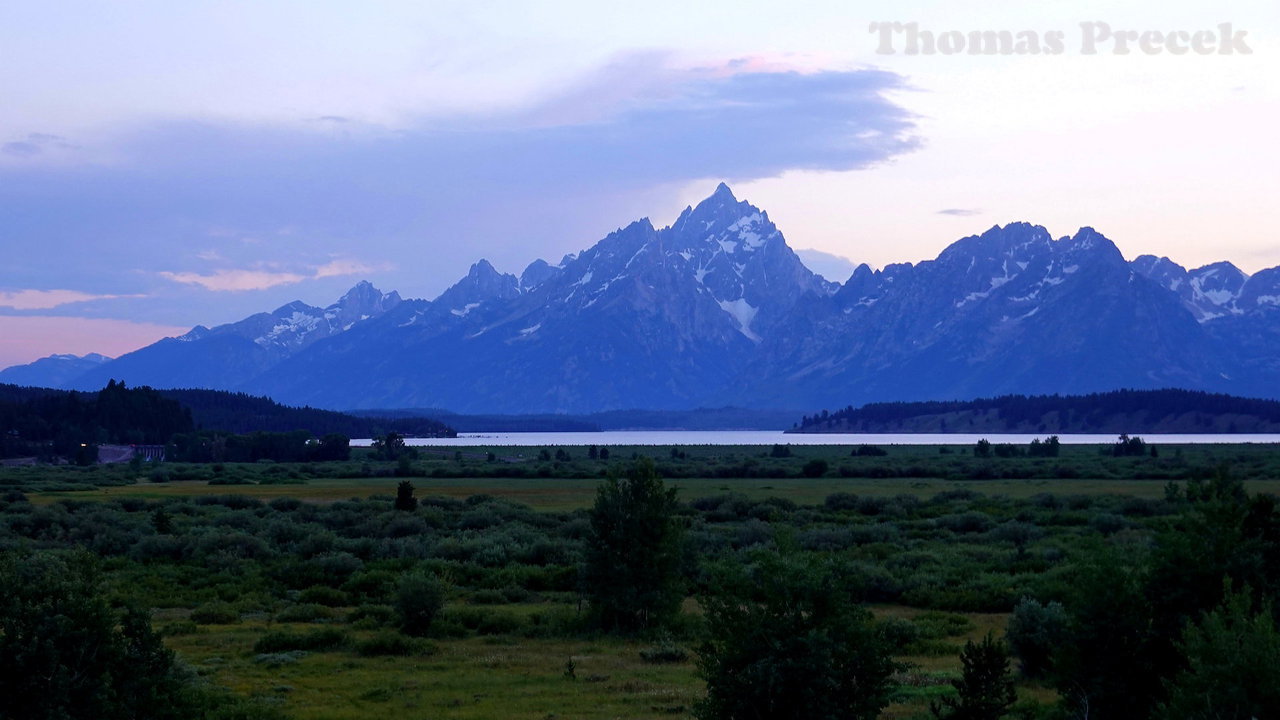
46 299
237 280
27 338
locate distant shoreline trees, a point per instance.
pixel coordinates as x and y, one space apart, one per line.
1083 413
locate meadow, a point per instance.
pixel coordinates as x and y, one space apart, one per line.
278 580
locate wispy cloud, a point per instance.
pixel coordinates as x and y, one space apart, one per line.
960 212
35 144
241 280
48 299
235 280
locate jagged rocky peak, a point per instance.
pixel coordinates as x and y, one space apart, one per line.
1088 242
1262 291
364 296
723 223
363 301
1018 240
1209 292
93 358
483 282
196 333
1162 271
1221 281
538 272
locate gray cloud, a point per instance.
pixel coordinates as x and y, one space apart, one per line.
830 266
432 197
20 148
960 212
35 144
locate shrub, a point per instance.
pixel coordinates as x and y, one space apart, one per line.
1033 633
783 629
215 613
305 612
940 624
381 614
321 595
970 522
1108 523
275 660
898 632
419 599
665 651
285 504
841 501
815 468
182 627
488 597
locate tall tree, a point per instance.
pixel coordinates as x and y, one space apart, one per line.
405 501
631 575
1232 665
985 688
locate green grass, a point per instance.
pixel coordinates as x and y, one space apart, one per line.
492 676
464 679
554 494
479 678
921 470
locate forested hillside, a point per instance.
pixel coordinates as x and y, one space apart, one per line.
47 423
242 413
1147 411
50 422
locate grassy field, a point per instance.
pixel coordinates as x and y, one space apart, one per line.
934 529
571 484
507 677
570 494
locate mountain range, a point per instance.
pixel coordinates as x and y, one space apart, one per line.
717 310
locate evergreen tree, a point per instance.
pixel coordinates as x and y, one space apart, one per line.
405 501
985 689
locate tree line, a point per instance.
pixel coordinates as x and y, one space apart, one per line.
1087 409
60 423
199 425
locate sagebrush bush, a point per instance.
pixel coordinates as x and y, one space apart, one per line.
215 613
418 600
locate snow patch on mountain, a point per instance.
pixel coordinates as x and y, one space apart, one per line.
744 313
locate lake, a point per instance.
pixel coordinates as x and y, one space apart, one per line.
770 437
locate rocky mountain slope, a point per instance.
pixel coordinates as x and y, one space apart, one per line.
716 309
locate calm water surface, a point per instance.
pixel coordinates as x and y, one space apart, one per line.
769 437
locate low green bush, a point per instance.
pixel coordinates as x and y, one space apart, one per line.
215 613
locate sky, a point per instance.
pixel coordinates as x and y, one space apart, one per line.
166 164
